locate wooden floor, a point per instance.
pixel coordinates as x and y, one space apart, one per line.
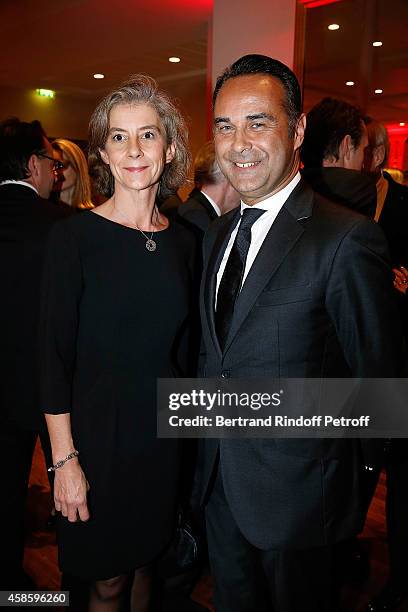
41 553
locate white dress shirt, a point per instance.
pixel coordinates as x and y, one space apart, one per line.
213 204
260 228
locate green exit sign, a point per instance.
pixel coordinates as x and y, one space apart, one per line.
45 93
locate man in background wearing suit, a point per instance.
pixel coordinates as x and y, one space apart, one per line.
293 286
333 152
392 215
212 195
392 198
26 179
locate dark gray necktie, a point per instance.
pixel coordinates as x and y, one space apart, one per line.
231 280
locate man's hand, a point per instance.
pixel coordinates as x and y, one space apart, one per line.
401 279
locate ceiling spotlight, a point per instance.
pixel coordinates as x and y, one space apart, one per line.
402 123
350 83
98 75
174 60
333 26
378 91
377 43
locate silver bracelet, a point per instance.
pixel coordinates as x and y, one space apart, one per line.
61 462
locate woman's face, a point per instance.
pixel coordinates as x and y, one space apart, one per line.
59 176
69 174
136 149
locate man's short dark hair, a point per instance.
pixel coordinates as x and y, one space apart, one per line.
262 64
327 124
18 142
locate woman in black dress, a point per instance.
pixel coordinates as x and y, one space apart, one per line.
116 301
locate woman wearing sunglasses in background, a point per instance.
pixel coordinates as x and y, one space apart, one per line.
73 184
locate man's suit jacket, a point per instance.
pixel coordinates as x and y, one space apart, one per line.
25 220
346 187
394 221
198 210
317 302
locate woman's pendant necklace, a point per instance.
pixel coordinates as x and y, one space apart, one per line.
150 244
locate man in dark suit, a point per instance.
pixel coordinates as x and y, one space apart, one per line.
333 154
293 286
26 179
392 198
212 196
392 216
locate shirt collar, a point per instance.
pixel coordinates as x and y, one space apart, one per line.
277 200
24 183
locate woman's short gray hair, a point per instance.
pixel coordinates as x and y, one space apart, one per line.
140 89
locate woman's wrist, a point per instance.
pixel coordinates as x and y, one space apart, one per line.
59 463
61 448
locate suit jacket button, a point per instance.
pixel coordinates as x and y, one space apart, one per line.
225 374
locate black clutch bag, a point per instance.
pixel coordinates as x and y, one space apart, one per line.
183 554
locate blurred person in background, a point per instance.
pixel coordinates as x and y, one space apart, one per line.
212 196
392 197
27 174
333 154
73 182
59 175
392 215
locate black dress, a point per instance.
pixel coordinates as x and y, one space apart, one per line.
114 319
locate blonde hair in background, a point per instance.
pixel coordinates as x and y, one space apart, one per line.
81 197
396 174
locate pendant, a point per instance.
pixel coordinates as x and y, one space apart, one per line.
150 245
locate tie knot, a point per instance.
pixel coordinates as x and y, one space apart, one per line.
249 216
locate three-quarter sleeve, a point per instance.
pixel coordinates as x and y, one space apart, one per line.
61 293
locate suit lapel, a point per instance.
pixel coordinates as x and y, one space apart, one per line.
200 197
284 233
214 262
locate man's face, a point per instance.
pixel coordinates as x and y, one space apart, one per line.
251 136
46 174
355 159
59 173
